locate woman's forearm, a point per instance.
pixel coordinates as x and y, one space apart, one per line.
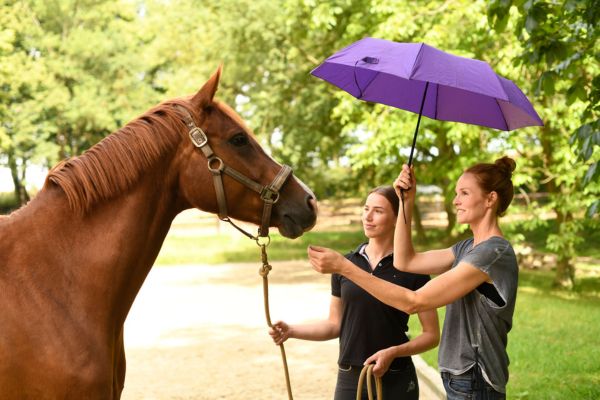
425 341
318 331
403 246
386 292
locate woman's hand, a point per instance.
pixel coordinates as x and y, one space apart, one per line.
406 181
324 260
280 332
382 359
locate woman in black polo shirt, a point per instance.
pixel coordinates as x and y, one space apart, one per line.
369 330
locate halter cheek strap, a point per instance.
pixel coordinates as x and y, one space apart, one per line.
269 194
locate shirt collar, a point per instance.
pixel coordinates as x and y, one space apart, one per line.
362 251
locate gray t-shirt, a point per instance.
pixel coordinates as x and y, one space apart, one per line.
475 319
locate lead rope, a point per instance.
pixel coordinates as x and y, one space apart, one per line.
264 272
368 372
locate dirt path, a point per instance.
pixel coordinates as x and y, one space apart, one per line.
199 332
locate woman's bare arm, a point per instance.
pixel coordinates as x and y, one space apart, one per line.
321 330
439 291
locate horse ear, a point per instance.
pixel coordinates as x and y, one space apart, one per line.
205 95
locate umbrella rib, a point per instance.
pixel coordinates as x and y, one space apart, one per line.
502 113
362 92
412 70
437 88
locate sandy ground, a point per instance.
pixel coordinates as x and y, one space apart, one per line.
199 332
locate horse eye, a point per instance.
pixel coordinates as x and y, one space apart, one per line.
239 140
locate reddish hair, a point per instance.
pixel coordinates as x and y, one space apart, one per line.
496 177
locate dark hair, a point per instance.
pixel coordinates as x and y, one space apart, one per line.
389 193
496 177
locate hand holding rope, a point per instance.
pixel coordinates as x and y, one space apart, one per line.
368 372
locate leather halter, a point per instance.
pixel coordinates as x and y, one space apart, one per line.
268 193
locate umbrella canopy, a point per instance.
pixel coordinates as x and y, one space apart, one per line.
422 79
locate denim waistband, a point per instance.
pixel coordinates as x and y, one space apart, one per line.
465 375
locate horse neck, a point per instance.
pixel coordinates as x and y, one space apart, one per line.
112 248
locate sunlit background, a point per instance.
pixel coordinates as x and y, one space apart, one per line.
73 71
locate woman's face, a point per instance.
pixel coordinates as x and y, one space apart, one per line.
470 201
378 218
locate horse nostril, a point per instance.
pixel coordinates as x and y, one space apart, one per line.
312 203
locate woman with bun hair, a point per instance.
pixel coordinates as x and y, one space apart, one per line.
477 280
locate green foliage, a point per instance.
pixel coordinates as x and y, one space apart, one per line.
560 43
559 51
73 71
8 203
537 232
588 138
70 74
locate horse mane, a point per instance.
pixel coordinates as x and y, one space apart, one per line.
114 165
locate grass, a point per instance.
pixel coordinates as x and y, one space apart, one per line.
553 345
219 249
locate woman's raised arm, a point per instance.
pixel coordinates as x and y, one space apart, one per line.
406 259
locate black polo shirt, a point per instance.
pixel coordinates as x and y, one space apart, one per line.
368 325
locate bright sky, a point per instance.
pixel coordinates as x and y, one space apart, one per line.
35 178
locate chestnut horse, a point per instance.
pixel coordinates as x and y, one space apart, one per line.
74 258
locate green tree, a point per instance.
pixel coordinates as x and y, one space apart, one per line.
25 84
72 72
94 51
560 56
282 100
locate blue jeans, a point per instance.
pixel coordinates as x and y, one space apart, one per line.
399 384
460 387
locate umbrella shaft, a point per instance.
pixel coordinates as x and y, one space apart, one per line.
414 143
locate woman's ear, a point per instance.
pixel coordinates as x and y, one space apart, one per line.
492 199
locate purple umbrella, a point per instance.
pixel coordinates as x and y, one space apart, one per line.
422 79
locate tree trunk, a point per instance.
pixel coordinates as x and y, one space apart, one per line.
20 191
565 270
565 274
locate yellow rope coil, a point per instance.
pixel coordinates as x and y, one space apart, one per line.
368 372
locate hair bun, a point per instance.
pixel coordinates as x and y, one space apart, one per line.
506 164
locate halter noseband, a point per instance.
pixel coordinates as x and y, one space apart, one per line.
269 193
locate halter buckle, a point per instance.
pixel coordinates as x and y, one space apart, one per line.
269 195
198 137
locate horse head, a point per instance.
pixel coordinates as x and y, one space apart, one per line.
223 157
